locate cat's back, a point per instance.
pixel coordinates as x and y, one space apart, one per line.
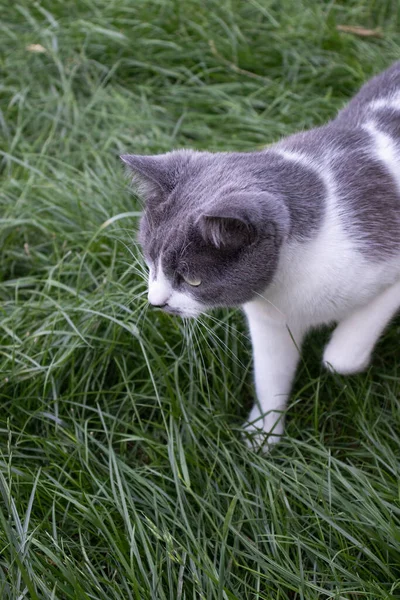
357 155
378 101
366 162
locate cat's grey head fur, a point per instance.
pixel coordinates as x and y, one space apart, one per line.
215 218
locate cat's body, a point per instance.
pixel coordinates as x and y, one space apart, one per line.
304 233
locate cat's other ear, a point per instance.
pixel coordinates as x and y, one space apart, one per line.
239 220
154 173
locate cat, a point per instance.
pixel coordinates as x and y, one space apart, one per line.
301 234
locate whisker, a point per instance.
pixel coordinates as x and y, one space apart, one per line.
271 303
201 359
234 330
222 344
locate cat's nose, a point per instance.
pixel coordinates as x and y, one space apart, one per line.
158 296
158 305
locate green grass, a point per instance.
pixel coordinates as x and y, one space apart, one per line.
122 470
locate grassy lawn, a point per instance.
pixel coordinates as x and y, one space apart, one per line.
122 470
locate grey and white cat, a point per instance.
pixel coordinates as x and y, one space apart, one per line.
301 234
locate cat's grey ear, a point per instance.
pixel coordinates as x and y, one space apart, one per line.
230 224
227 232
152 173
239 220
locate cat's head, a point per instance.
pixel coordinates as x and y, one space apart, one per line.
210 233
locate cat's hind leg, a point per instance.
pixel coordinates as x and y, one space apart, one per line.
350 347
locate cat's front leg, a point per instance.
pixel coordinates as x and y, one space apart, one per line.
276 354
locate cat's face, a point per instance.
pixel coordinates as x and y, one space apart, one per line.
205 234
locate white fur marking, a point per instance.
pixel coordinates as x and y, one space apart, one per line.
161 292
160 289
386 150
391 103
185 304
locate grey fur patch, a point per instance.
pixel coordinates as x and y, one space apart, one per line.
372 205
387 120
379 87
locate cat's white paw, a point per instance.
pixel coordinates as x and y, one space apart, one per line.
346 358
263 431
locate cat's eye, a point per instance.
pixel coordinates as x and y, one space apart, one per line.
193 281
